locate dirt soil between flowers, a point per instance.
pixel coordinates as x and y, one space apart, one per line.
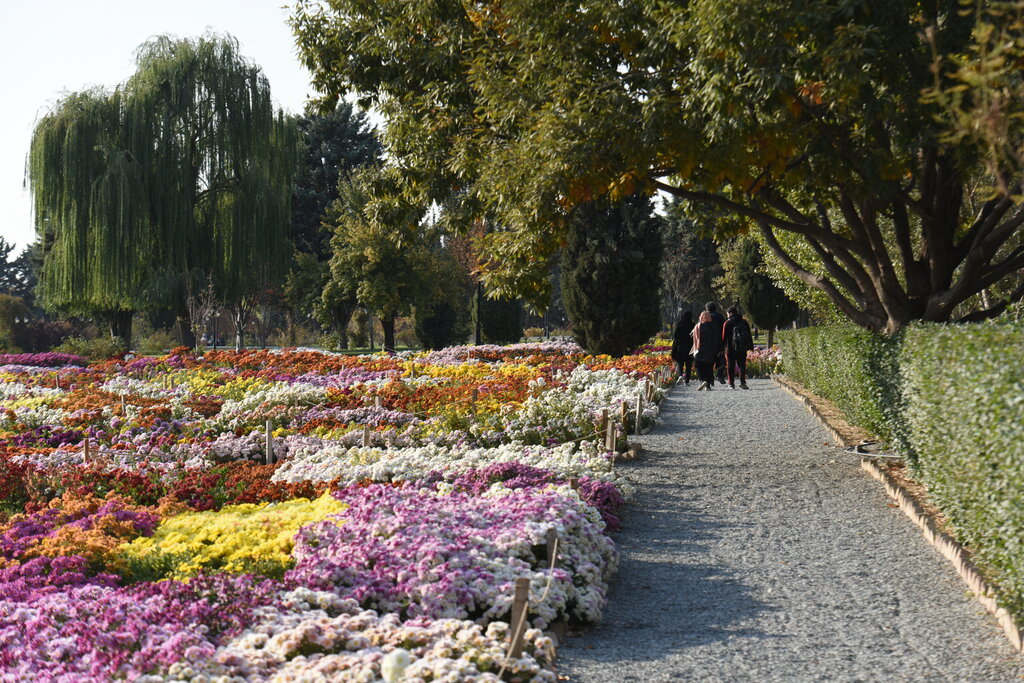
757 551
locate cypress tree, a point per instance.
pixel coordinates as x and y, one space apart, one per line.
766 305
501 320
611 275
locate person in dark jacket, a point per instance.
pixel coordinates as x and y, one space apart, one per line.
718 319
707 345
682 345
737 341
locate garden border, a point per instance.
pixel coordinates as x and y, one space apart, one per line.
912 508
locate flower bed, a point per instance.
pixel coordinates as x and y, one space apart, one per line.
405 496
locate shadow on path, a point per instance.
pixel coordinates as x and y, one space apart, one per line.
753 552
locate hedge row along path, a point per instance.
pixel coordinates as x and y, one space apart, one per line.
756 551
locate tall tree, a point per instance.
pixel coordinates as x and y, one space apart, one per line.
9 275
382 252
183 171
611 276
765 304
333 145
690 261
805 118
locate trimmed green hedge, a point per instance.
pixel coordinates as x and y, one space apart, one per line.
855 369
951 397
964 395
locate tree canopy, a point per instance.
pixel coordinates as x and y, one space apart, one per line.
382 252
185 168
802 118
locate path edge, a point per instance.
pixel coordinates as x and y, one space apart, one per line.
941 541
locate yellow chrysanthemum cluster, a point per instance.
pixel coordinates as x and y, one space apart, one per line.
238 538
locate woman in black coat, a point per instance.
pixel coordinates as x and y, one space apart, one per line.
682 345
707 344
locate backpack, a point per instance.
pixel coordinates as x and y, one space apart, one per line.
741 339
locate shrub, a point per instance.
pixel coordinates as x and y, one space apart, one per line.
942 396
156 343
100 348
42 335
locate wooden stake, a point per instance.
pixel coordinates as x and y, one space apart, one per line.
552 546
472 400
574 483
85 451
269 452
366 436
609 436
124 408
520 602
56 380
376 401
623 413
602 425
639 409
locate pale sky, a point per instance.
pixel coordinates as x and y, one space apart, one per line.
48 47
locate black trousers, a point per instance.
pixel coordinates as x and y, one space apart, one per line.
720 367
736 359
684 368
704 372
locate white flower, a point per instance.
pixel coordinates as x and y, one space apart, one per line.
393 666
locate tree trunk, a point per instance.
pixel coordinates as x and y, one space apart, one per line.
290 324
771 336
120 323
369 327
478 332
388 323
342 315
238 320
183 330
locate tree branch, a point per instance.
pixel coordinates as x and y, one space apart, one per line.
816 281
996 309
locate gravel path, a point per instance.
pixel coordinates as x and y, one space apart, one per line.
756 552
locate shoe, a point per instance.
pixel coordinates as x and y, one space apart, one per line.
732 386
703 387
743 385
687 382
710 388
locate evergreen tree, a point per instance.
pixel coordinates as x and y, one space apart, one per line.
766 305
333 146
444 320
501 320
611 275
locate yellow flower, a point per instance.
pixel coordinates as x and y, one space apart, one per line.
237 538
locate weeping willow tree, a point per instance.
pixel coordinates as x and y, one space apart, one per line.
182 175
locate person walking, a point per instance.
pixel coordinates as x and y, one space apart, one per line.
707 345
737 341
682 345
718 319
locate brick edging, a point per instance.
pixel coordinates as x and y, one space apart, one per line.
942 541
